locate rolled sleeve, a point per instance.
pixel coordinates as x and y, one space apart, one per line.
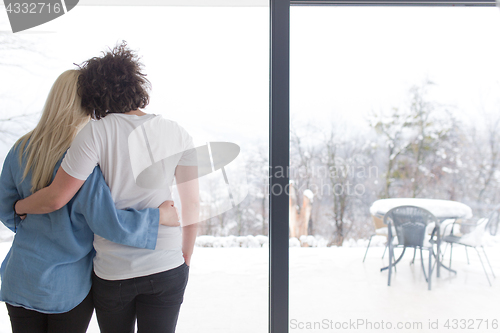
9 193
189 155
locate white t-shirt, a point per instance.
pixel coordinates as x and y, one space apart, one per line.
138 156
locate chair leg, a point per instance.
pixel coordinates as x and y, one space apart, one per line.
423 266
488 261
467 254
395 261
484 268
444 252
393 258
430 268
400 257
451 252
391 255
369 242
414 254
386 245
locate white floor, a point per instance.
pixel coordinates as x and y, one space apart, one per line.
331 287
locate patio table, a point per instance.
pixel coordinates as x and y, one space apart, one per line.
441 209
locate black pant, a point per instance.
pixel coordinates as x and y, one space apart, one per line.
30 321
153 300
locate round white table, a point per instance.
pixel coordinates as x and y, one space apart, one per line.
442 209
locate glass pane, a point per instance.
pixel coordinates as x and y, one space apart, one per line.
392 103
209 69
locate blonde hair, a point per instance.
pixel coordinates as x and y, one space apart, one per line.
61 119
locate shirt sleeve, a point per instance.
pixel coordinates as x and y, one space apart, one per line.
189 156
128 227
9 193
83 155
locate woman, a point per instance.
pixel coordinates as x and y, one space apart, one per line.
46 276
131 148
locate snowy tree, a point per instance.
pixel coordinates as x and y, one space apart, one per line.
304 165
348 170
413 136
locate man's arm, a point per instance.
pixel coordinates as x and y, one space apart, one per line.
187 186
51 198
63 188
93 205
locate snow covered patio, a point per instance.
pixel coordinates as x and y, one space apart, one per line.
228 288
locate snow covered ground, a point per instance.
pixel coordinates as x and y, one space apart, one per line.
329 287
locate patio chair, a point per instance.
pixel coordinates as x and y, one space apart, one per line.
494 221
410 223
473 239
430 232
380 230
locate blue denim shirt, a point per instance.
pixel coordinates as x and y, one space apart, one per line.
48 268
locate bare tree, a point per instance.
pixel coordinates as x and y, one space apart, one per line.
258 180
304 164
347 164
490 158
394 129
412 137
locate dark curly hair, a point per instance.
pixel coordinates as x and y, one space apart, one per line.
113 83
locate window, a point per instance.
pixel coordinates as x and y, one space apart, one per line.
209 69
388 102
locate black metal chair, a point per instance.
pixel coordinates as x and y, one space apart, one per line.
410 223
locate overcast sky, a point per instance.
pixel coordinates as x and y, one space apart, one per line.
209 66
